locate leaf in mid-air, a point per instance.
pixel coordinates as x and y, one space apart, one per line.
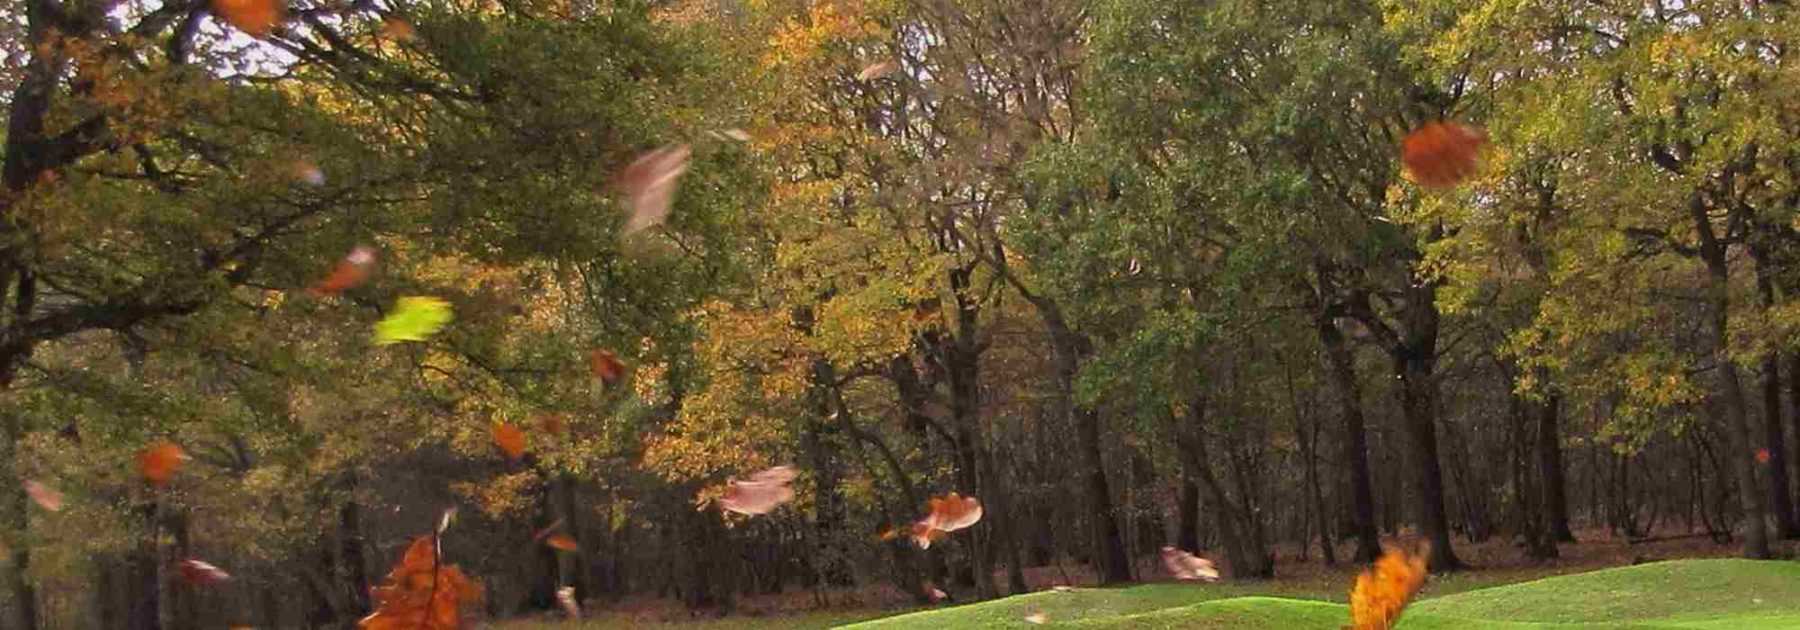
159 462
606 366
200 573
1441 154
1383 591
763 492
414 318
649 185
422 593
561 542
510 439
45 496
1186 566
349 272
255 17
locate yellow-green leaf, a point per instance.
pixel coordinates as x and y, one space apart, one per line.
414 319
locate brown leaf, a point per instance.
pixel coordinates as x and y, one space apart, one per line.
510 439
422 593
562 542
606 366
198 573
1383 591
160 461
1186 566
1441 154
255 17
552 423
348 274
877 70
398 30
649 185
45 496
952 512
762 493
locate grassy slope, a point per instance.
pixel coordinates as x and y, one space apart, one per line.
1697 594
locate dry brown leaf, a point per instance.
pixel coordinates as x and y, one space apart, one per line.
606 366
1186 566
255 17
160 461
510 439
1441 154
1383 591
761 493
348 274
198 573
877 70
45 496
649 185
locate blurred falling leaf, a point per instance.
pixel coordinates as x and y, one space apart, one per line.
562 542
546 530
565 596
923 534
349 273
510 439
45 496
413 319
396 29
1037 618
159 462
1441 154
199 573
649 185
1762 456
877 70
422 593
445 520
307 173
887 533
606 366
1186 566
552 423
760 494
936 594
1383 591
737 134
948 513
255 17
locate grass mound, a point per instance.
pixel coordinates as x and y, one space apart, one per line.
1691 594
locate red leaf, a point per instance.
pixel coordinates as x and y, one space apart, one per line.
160 461
1440 154
349 273
510 439
606 366
562 542
255 17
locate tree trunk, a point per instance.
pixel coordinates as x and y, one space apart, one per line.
1550 467
13 516
351 555
1781 503
1348 392
146 579
1418 399
1113 565
1309 444
1188 537
1793 419
1742 457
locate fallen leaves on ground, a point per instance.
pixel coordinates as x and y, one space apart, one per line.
160 461
1383 591
45 496
649 185
510 439
1187 566
422 593
255 17
414 319
200 573
348 274
761 493
1441 154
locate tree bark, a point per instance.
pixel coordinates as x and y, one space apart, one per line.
1416 366
1347 390
1188 537
1550 467
1742 459
1774 430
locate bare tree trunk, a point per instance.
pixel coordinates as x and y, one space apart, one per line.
1550 467
1774 431
1737 421
1188 537
1418 400
13 523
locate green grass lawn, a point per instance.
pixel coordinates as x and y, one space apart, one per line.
1708 594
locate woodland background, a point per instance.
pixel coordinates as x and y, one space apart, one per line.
1132 272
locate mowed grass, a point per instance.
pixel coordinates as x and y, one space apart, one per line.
1701 594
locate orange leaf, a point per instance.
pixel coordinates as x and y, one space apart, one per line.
256 17
1440 154
606 366
562 542
396 29
510 439
1383 591
422 593
45 496
348 274
159 462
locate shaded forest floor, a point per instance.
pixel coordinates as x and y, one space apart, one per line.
1495 562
